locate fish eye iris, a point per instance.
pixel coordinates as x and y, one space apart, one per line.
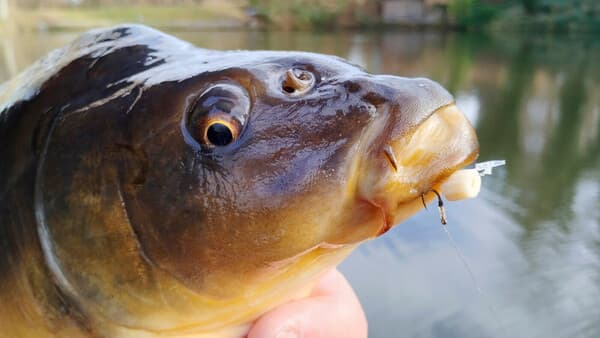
219 134
217 117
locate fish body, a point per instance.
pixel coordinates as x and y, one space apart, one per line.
152 188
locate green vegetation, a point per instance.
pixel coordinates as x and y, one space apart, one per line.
302 14
154 14
315 16
552 16
499 15
473 13
213 14
528 15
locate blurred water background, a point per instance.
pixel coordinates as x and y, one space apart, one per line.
532 238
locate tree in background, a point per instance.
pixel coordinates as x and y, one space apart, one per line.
530 6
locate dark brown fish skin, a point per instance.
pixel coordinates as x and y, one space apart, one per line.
96 174
24 129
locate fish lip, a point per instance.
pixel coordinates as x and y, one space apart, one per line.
424 197
390 164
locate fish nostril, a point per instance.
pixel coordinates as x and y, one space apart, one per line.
297 81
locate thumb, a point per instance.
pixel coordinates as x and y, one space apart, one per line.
331 311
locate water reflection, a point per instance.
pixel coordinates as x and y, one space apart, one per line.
533 236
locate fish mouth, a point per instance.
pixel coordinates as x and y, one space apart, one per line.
404 169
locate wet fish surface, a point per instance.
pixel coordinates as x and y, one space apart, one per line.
149 187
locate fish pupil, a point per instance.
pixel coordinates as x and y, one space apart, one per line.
219 134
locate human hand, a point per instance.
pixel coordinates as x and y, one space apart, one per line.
330 311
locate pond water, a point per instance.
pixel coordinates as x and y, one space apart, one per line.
532 238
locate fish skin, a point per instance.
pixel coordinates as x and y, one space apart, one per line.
114 221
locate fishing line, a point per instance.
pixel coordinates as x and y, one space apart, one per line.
465 262
493 311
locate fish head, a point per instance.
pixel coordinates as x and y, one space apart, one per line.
198 201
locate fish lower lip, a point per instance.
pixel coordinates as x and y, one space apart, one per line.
418 162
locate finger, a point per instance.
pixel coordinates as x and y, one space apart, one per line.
331 311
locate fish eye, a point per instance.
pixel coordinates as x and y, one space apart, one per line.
220 133
297 81
218 115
